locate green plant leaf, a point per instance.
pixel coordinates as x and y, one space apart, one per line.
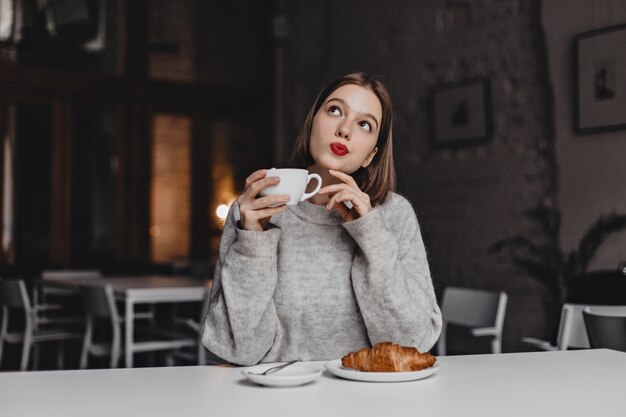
595 236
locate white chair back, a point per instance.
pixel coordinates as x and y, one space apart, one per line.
572 330
572 333
13 295
482 311
618 311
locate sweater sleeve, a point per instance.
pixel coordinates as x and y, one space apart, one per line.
391 278
241 321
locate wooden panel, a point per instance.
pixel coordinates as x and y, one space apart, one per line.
170 191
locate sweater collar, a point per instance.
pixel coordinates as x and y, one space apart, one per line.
316 214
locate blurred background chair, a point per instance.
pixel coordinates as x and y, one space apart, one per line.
103 318
99 305
197 355
482 312
606 330
47 291
572 333
14 296
67 302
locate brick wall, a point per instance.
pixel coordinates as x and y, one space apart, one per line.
173 40
465 198
170 193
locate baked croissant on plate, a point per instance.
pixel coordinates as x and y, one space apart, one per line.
388 357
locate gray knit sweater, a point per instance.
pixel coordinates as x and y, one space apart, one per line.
313 287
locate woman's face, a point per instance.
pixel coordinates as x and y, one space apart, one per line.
345 129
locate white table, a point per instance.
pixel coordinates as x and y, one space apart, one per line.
573 383
134 290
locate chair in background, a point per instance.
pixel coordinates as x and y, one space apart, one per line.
481 311
572 333
99 304
100 307
199 354
13 296
65 299
606 330
65 274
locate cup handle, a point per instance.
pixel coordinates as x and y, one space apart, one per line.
312 193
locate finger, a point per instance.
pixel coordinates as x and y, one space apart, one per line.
334 188
258 185
250 193
269 212
255 176
263 202
345 212
340 196
358 204
344 177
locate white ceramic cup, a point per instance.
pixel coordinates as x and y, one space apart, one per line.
293 182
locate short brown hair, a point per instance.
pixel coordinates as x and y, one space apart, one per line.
379 177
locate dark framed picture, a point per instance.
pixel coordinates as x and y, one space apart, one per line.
600 80
461 113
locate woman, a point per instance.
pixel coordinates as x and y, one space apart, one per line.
341 271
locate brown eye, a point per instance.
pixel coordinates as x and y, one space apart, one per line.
334 110
365 125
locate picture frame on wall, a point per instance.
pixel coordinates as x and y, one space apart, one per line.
600 80
461 113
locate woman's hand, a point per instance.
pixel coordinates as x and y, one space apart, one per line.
348 190
256 212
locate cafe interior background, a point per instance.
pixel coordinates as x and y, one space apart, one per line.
127 128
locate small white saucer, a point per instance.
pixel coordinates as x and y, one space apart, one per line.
291 376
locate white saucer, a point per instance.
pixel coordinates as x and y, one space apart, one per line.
336 368
291 376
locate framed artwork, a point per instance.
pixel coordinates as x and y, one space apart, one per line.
462 113
600 80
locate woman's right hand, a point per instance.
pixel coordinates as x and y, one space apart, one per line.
256 212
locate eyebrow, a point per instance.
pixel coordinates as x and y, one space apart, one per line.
342 101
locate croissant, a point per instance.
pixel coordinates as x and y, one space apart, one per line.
388 357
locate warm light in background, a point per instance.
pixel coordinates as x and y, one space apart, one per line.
155 231
222 211
222 173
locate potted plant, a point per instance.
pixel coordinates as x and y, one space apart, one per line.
565 274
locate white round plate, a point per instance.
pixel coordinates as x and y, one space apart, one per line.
291 376
336 368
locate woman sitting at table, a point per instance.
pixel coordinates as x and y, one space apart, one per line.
317 280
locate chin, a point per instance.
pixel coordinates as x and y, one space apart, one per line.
328 162
334 163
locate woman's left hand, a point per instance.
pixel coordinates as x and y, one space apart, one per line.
348 190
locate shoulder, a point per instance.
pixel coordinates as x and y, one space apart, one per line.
397 205
397 212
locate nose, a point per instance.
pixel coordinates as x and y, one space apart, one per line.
343 132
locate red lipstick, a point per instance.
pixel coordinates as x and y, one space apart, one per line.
339 148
